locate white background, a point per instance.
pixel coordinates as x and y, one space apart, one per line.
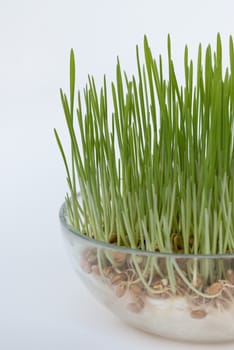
42 303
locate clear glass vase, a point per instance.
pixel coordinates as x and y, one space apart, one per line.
176 296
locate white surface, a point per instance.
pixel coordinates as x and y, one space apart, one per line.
42 304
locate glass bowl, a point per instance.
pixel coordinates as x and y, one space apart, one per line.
176 296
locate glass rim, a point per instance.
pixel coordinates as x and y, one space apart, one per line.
127 250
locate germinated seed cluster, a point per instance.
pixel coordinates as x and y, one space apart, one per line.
158 173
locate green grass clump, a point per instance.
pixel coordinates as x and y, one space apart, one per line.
158 172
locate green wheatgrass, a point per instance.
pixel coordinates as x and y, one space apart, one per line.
157 173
